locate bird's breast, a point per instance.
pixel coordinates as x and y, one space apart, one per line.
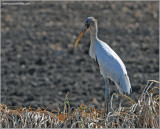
92 54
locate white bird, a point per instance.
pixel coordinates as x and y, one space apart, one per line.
110 64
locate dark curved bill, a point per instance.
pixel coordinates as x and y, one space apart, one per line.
80 36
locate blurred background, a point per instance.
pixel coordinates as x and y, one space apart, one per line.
39 64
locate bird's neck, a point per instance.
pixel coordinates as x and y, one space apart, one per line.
93 32
94 38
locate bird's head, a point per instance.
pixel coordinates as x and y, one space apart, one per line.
90 23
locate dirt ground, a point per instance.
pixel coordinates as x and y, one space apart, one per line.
40 65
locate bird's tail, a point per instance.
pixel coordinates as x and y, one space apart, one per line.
125 84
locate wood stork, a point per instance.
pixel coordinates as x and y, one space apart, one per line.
110 64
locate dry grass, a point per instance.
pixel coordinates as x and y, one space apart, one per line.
141 114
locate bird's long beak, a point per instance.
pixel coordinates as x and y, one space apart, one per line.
80 36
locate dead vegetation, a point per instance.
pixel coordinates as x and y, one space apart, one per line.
141 114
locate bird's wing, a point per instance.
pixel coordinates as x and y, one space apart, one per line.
111 66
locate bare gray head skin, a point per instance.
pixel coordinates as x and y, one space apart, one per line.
90 23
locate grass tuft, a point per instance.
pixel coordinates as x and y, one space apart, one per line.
141 114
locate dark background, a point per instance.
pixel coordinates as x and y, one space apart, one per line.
39 62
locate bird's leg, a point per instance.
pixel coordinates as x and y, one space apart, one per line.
107 94
120 103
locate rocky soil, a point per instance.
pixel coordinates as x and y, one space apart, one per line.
39 64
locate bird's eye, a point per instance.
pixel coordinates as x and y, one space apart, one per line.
87 25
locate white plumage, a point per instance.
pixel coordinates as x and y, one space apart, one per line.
110 64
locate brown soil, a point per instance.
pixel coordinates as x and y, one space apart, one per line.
39 63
